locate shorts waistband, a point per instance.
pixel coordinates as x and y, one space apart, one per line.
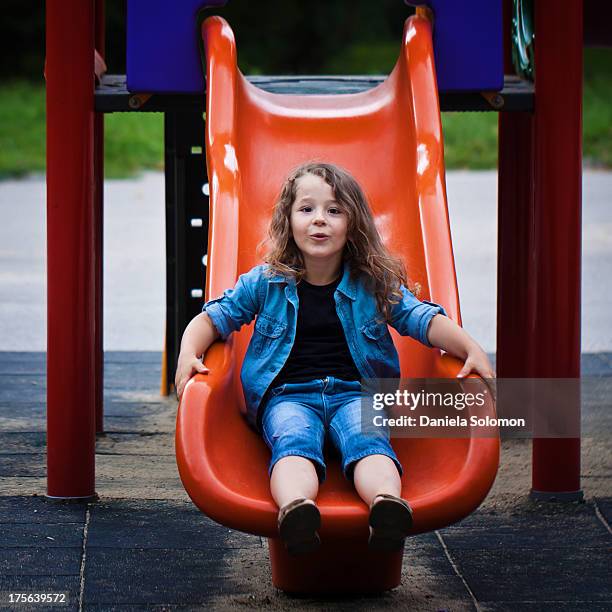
329 383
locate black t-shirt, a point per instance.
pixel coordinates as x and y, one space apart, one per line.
320 348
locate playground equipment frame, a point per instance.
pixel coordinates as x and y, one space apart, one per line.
539 239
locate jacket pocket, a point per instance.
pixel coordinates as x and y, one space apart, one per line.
376 337
266 334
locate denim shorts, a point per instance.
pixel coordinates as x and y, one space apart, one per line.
297 416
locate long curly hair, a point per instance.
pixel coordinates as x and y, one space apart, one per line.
368 257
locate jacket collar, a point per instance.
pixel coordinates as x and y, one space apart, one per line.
346 286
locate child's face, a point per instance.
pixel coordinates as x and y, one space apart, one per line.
318 222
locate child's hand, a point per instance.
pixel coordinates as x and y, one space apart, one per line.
188 366
478 362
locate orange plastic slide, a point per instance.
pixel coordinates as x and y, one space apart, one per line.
390 138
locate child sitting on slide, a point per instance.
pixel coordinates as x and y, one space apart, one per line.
323 300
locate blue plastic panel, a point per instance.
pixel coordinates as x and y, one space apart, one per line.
163 52
468 44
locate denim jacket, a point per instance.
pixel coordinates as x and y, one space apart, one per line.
274 300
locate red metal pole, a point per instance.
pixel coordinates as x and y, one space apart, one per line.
99 229
515 331
70 250
515 233
557 229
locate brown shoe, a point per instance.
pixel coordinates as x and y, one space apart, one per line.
390 523
298 522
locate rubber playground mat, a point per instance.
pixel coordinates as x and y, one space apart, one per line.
144 546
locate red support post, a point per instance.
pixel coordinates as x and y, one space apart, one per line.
99 228
70 249
515 282
515 233
557 229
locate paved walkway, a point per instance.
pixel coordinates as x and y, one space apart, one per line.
134 276
144 545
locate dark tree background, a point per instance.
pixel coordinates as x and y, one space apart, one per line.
273 36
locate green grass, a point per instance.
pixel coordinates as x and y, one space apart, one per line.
134 141
597 109
22 129
470 140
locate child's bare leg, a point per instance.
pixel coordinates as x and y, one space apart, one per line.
374 475
293 477
390 519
